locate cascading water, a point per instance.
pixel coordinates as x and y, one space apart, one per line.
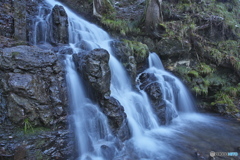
149 140
41 26
179 97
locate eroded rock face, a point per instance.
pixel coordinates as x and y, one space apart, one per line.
94 67
59 20
32 79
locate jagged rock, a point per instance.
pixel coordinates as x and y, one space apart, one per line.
152 88
33 80
116 116
95 70
59 22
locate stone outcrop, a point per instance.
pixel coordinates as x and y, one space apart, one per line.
94 68
59 21
34 82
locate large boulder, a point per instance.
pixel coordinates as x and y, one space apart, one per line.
33 81
93 65
94 68
59 20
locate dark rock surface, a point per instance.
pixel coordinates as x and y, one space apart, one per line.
39 143
34 82
116 116
94 67
59 21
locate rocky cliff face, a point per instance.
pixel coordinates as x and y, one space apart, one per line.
33 101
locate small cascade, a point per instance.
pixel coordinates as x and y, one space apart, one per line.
42 26
174 91
93 134
94 139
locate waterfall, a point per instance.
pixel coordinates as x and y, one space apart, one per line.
182 101
91 129
89 122
41 26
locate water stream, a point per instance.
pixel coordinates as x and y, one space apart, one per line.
187 133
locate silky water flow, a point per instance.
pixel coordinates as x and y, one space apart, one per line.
149 140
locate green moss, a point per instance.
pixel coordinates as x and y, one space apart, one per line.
193 73
216 55
222 98
139 49
122 26
204 69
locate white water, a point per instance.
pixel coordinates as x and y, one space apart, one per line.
41 26
174 92
93 133
91 127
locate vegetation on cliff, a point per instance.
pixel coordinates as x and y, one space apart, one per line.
205 33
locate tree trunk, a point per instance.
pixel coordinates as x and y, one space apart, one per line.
102 7
153 15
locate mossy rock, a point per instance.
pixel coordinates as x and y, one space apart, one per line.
169 47
139 50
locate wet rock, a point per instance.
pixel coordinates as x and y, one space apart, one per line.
59 22
154 92
95 70
116 117
33 81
